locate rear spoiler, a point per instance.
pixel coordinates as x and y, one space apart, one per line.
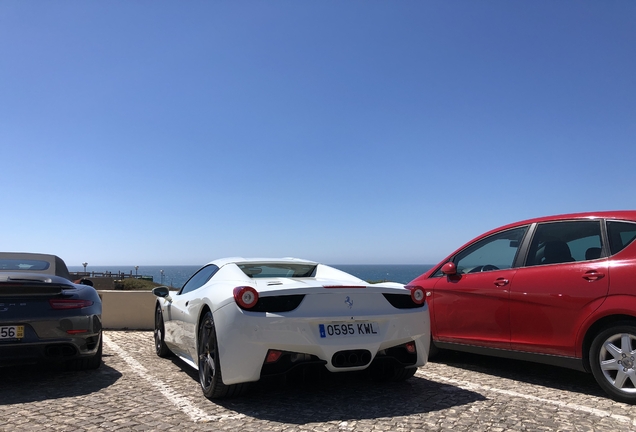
20 289
29 284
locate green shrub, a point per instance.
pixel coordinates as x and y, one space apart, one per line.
133 284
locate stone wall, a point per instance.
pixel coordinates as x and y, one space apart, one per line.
132 310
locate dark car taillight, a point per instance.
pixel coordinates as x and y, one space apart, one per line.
60 304
278 304
271 304
416 299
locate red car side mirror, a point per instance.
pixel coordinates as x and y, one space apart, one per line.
449 269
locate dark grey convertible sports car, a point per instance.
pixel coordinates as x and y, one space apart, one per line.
44 316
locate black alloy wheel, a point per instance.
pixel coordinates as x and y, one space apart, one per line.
209 365
613 361
161 348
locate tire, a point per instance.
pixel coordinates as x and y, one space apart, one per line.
402 374
433 351
613 361
209 365
87 363
394 373
161 348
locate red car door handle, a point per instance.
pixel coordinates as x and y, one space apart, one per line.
501 282
593 275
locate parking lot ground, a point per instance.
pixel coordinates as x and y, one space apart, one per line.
137 391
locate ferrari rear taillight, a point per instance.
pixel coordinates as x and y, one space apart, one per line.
69 303
417 293
246 296
410 347
273 356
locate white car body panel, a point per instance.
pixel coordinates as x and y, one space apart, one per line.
244 337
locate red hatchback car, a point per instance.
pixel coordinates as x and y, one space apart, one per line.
559 290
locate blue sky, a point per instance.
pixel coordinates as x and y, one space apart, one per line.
347 132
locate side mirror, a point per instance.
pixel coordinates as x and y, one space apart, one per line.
162 292
449 269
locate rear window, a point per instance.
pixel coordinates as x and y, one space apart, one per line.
23 265
272 270
620 235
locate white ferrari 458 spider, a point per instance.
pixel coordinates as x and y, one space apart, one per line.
237 320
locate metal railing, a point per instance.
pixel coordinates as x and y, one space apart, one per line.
107 274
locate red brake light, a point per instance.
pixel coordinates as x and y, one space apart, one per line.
410 347
245 296
417 293
76 331
273 356
69 303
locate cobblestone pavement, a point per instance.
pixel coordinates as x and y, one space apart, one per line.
137 391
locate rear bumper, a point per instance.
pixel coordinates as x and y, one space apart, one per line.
244 340
48 351
53 341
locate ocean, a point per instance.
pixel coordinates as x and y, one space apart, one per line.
176 276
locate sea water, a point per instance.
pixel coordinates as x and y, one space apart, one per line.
176 276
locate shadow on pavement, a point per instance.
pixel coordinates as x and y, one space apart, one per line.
33 383
519 370
333 397
324 397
